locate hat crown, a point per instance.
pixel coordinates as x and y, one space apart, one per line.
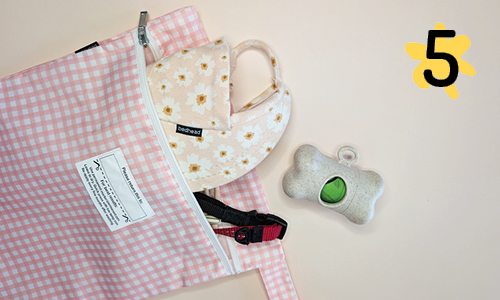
191 87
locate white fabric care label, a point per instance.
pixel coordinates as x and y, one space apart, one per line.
113 190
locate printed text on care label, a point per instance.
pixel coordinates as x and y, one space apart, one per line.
113 190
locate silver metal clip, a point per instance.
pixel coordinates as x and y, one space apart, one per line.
143 39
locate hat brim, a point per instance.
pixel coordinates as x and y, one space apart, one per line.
219 157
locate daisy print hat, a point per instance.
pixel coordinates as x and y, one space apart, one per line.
191 93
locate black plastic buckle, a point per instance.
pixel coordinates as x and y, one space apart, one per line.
243 236
268 219
247 235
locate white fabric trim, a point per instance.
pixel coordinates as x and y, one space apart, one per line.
148 101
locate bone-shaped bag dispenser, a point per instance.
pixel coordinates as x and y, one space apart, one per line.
334 184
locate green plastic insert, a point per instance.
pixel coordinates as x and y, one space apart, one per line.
333 191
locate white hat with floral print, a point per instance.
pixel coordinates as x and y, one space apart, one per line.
213 146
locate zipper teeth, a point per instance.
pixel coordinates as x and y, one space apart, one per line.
173 162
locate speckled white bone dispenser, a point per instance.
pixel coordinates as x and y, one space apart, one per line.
312 170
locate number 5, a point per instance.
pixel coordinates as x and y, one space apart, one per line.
452 61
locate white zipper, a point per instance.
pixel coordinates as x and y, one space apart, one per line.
172 162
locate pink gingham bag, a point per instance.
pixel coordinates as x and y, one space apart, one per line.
54 242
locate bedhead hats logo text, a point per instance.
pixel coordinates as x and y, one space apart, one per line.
440 59
189 130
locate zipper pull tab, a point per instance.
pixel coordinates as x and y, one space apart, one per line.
143 39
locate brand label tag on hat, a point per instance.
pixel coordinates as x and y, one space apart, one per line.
113 190
189 130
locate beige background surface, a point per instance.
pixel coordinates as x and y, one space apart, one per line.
435 234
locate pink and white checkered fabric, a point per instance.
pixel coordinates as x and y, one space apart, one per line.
53 242
278 282
246 194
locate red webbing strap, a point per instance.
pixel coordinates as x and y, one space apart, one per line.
251 226
269 233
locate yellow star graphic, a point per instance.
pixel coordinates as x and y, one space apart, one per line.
440 68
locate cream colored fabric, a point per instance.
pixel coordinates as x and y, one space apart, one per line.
192 86
230 145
